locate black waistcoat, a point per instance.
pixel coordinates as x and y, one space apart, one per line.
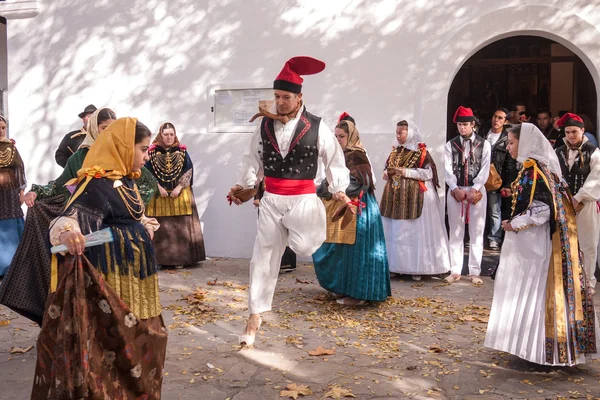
579 172
301 160
466 167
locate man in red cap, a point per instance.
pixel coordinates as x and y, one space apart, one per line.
467 166
287 146
580 165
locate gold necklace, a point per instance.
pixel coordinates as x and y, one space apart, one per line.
404 160
133 202
514 187
6 157
167 166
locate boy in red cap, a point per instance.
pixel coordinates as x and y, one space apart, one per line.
467 166
286 148
580 164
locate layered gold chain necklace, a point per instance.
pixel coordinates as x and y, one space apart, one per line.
167 166
6 157
133 201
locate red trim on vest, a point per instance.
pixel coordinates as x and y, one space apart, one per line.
289 187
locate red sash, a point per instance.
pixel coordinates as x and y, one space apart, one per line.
289 187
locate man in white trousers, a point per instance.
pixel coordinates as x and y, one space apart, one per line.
580 165
467 166
286 148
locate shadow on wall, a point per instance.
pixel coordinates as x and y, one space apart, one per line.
387 61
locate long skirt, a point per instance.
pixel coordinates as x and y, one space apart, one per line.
419 246
517 319
11 231
92 346
359 270
25 287
179 239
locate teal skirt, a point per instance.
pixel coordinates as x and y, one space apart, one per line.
11 231
359 270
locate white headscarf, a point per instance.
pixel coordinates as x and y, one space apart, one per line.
414 137
533 144
91 132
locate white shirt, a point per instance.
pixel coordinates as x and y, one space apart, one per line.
493 137
329 149
484 172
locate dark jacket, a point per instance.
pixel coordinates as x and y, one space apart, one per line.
503 162
68 145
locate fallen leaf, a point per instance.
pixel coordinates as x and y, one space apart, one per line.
436 349
20 350
321 351
5 322
305 281
293 391
338 392
455 387
411 367
212 283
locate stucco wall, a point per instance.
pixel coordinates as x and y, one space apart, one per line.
155 60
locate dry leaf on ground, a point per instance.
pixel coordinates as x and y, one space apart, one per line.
16 350
293 391
337 392
5 322
436 349
305 281
321 351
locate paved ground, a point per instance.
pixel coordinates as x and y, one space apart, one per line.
424 343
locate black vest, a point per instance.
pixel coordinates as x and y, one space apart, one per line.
577 175
303 154
466 170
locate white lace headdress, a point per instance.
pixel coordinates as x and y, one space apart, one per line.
414 136
533 144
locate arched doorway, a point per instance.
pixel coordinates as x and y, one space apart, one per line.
531 70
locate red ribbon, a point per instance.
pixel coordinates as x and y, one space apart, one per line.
358 203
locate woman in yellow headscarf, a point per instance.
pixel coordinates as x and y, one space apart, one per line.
103 335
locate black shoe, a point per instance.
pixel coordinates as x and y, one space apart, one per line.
287 268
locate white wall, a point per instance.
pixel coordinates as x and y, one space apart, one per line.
155 60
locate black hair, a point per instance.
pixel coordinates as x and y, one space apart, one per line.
561 113
515 130
106 114
141 132
514 106
545 111
504 110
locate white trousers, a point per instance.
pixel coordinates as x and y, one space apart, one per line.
457 217
296 221
588 232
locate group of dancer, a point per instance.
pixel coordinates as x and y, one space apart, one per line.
102 330
101 327
543 309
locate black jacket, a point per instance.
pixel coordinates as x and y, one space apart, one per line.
67 147
503 162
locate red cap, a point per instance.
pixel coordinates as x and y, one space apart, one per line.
289 78
570 119
463 114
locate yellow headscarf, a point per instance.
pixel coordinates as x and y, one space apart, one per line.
111 156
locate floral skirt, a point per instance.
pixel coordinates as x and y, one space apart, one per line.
92 346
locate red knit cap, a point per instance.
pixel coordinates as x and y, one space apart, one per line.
463 114
289 78
570 119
